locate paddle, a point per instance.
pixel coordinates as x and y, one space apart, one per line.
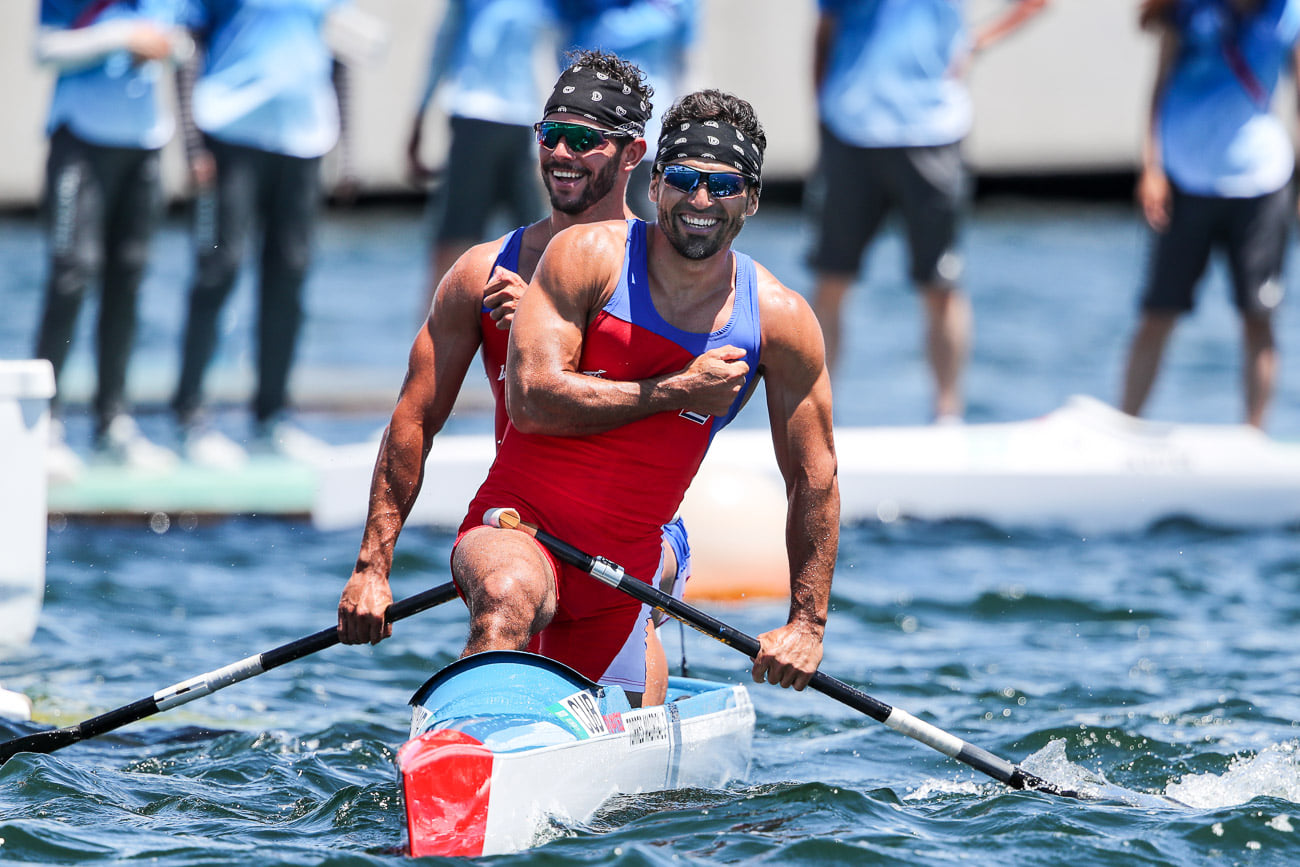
204 684
932 736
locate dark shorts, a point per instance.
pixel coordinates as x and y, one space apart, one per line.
1252 232
489 166
856 188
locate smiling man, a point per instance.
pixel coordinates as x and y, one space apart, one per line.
634 345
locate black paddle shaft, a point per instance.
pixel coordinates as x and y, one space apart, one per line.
205 684
980 759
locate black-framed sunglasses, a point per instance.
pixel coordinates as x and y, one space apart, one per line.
580 138
721 185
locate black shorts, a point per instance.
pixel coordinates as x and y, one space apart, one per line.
1252 232
856 188
489 165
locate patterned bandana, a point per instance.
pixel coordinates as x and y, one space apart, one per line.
594 95
714 140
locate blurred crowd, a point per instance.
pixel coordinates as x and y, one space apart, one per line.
263 96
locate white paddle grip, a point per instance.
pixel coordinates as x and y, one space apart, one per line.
917 729
505 518
205 684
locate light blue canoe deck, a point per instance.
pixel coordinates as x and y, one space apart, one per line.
512 701
264 486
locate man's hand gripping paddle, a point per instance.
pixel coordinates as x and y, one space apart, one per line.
205 684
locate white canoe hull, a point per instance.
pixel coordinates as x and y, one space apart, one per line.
505 744
705 753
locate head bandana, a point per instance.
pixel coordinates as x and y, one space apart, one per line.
596 96
713 140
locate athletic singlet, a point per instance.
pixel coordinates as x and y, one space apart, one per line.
611 493
495 340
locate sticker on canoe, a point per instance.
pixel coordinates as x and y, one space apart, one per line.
581 714
647 727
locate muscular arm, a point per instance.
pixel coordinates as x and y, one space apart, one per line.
823 39
440 356
547 393
71 49
1009 23
1153 191
799 409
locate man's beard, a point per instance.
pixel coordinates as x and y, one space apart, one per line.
699 246
596 188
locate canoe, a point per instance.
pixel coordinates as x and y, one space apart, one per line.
505 744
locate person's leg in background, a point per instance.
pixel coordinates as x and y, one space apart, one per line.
1179 258
1258 230
134 205
74 202
932 193
222 217
290 207
847 207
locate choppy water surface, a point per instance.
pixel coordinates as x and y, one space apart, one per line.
1156 662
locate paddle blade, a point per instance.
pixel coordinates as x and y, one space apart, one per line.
40 742
1104 791
1022 779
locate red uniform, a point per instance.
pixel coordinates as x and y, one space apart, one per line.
611 493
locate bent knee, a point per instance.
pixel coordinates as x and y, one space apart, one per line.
504 571
504 590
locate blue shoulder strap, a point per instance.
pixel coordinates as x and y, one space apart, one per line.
508 256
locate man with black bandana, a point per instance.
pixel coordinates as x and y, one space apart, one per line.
634 345
589 142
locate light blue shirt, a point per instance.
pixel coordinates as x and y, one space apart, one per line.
889 80
266 81
654 34
113 103
1217 132
483 60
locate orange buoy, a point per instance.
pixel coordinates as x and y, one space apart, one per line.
735 518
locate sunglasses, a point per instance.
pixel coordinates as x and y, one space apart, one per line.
580 138
721 185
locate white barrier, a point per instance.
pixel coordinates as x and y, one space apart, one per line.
25 391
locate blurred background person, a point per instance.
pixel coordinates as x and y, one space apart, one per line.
103 194
893 109
483 65
657 36
262 113
1216 174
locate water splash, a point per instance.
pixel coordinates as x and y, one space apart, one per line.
1053 765
1274 772
936 788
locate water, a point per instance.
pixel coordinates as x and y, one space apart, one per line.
1155 662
